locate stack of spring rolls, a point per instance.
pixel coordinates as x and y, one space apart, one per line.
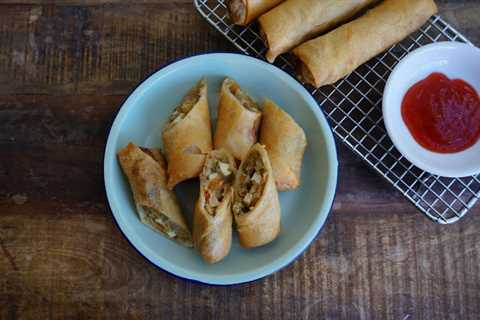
254 153
327 43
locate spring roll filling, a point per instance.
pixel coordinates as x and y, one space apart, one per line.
242 97
253 177
219 177
187 104
164 224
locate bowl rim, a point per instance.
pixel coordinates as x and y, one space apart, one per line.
389 87
279 262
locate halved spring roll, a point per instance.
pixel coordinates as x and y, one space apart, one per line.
256 206
328 58
285 142
242 12
295 21
238 120
212 218
187 136
157 206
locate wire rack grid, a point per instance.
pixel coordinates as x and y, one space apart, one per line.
353 108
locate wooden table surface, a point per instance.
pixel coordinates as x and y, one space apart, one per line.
64 70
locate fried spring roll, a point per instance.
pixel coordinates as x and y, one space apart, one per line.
295 21
187 136
285 142
328 58
238 120
212 218
242 12
256 206
156 205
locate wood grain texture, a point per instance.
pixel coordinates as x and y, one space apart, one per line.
65 68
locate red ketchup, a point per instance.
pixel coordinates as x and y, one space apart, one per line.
443 115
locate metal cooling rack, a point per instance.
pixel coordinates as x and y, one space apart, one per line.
353 107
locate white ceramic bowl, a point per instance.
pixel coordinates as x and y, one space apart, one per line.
304 210
456 60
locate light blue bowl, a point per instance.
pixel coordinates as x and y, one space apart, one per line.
304 210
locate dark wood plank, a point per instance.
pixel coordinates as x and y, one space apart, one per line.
71 260
97 49
64 71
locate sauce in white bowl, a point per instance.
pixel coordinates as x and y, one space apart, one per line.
456 61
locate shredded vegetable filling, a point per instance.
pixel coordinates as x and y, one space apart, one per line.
252 182
160 220
187 104
219 177
242 97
